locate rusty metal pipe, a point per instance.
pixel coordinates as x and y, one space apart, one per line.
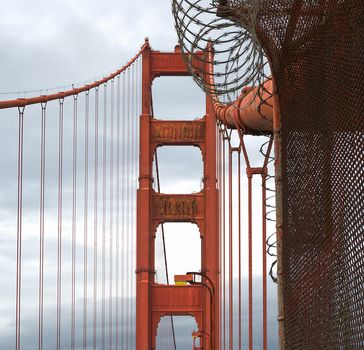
252 111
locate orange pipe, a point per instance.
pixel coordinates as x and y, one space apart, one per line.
252 111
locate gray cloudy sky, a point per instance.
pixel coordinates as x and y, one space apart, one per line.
51 43
48 44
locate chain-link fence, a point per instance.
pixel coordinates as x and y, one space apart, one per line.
316 49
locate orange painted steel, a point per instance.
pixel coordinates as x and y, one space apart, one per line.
155 300
252 110
21 102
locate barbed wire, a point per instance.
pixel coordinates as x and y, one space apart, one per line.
238 59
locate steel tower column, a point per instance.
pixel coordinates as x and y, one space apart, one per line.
155 300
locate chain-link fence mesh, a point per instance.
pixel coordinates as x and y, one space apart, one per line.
317 53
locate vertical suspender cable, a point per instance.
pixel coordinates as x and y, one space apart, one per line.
130 215
222 169
111 188
136 121
231 284
220 231
131 201
85 224
132 140
41 228
250 242
165 251
123 210
96 172
140 105
74 223
136 157
163 235
223 244
239 247
135 186
19 226
250 264
132 168
103 217
117 225
59 225
264 239
127 223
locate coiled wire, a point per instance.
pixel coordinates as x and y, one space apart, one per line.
238 59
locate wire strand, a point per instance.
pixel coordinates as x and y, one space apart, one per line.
74 221
59 224
19 227
85 236
104 184
41 228
96 168
111 216
117 224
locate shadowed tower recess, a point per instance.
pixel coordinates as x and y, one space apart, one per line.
155 300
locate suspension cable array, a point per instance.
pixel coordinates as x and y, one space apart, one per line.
240 259
86 224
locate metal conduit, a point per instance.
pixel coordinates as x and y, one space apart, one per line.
253 109
248 112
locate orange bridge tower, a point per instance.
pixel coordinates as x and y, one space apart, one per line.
201 299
